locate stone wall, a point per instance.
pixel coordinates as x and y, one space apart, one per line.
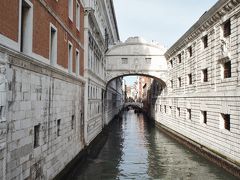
114 102
197 107
44 118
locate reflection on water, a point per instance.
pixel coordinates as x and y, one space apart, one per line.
137 150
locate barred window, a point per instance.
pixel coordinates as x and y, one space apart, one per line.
190 52
171 83
205 41
178 112
179 58
179 82
36 136
148 60
227 69
171 63
226 121
190 78
189 114
58 127
124 60
204 117
205 75
227 28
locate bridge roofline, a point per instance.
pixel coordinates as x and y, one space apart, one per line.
139 43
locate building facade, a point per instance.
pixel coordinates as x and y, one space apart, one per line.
55 98
201 97
100 30
42 87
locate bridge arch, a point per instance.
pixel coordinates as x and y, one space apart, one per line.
136 57
161 81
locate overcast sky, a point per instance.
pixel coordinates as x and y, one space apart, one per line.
164 21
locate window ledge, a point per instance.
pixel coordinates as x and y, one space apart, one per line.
224 80
225 131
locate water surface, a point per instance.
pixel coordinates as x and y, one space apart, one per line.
135 149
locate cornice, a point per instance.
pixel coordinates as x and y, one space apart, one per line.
26 62
135 44
207 20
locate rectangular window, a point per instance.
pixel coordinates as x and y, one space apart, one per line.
36 135
179 58
227 28
165 108
148 60
77 15
72 122
69 57
204 116
124 60
53 46
26 27
178 112
190 53
170 110
226 121
171 63
58 127
77 63
189 114
205 41
171 83
227 69
70 9
204 75
190 78
179 82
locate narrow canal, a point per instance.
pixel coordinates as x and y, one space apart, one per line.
135 149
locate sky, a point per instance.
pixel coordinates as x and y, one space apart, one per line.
164 21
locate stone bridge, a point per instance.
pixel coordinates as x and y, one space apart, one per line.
136 57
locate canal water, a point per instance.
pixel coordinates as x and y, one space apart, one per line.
135 149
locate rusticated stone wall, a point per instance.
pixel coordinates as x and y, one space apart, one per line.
38 95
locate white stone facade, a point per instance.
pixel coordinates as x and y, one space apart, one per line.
39 96
136 57
203 89
100 32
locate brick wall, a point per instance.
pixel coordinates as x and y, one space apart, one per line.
9 11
